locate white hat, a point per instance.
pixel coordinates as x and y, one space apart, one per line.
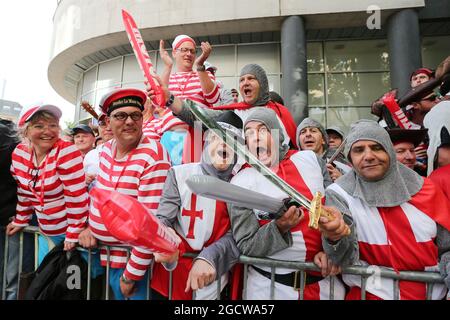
180 39
27 113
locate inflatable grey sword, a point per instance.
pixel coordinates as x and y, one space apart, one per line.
314 207
214 188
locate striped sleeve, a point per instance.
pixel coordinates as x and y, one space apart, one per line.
138 263
152 181
149 194
24 212
71 173
24 208
213 96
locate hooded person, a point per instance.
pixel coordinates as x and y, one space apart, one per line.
335 136
202 224
398 215
283 235
254 89
438 120
311 135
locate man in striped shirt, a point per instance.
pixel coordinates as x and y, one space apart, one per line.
199 86
134 165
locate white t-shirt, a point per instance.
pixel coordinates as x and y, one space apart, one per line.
91 161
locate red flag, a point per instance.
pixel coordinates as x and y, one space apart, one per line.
143 58
130 222
397 113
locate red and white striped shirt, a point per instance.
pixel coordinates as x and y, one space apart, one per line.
186 85
141 175
62 205
155 127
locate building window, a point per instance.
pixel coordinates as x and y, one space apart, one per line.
434 50
344 78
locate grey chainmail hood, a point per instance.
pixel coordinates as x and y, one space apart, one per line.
311 123
436 119
261 76
399 183
233 124
269 118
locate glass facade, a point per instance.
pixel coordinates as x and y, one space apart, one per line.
344 77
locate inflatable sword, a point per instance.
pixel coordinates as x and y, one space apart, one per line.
142 56
314 207
214 188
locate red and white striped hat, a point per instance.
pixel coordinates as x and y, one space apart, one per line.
27 113
181 39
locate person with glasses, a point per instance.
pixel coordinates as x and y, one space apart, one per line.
190 81
91 161
50 180
131 164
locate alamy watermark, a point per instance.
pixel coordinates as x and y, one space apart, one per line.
74 277
374 20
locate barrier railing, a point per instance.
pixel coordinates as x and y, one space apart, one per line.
364 272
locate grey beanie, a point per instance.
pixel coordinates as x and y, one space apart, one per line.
269 118
261 76
336 129
311 123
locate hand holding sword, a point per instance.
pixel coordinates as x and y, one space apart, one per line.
285 212
314 207
331 167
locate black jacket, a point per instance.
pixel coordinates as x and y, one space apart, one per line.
8 188
61 276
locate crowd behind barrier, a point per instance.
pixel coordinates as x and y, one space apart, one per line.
366 273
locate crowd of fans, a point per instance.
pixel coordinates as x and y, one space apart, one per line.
386 188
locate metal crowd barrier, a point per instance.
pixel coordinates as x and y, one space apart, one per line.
429 278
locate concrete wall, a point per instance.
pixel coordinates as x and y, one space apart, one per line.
83 27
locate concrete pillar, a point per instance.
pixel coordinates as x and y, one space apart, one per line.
405 53
294 67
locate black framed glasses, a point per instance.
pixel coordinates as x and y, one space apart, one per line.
123 116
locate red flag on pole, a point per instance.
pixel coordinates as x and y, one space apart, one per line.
143 58
130 222
397 113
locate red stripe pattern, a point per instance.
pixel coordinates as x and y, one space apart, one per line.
186 85
65 195
155 127
142 177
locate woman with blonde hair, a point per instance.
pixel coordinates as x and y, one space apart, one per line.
50 180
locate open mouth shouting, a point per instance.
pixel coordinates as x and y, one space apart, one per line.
309 143
263 155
